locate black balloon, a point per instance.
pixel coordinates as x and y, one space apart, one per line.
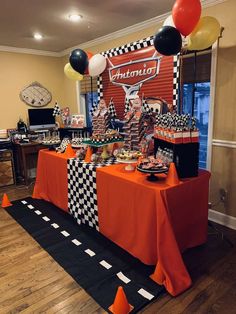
79 60
168 41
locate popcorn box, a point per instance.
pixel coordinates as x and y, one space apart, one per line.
156 132
195 136
177 137
168 135
164 134
161 134
186 137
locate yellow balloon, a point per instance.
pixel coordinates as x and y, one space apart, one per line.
72 74
205 34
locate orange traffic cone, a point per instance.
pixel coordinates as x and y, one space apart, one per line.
172 177
121 304
158 275
69 151
88 155
5 201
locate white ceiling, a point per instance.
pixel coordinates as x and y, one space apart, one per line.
19 19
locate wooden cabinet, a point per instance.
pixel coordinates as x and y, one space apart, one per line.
7 175
26 155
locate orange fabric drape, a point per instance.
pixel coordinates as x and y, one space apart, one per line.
152 221
51 180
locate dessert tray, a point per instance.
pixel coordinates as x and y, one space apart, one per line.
101 143
152 166
51 142
111 136
77 142
129 158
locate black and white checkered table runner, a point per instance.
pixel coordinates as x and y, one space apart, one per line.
82 191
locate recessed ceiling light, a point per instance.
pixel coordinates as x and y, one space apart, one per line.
38 36
75 17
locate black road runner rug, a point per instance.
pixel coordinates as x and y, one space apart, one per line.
97 264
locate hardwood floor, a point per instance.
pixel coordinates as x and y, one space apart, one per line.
32 282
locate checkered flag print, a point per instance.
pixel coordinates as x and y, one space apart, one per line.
127 105
112 109
57 110
82 190
145 106
94 108
176 68
136 45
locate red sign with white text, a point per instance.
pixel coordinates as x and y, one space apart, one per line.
141 68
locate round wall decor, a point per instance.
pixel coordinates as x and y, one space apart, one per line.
36 95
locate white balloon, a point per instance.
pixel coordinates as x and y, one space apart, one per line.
169 21
97 64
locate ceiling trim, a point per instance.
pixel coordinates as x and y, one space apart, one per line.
30 51
134 28
120 33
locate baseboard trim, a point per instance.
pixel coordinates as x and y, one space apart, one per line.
222 219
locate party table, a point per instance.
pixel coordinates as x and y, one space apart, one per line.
153 221
51 179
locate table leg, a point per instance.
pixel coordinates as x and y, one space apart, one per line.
25 173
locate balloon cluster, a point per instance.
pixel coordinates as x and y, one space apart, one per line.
186 28
81 62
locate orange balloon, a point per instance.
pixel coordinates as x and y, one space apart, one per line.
89 55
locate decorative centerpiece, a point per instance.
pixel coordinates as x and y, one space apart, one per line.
100 119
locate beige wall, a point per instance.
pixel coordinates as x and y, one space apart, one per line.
17 70
69 88
224 159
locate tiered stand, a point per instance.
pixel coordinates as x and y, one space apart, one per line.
104 145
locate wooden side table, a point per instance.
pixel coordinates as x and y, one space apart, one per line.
26 155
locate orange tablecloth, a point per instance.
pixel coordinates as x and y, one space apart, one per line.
51 180
152 221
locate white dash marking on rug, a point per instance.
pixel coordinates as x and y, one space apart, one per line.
89 252
38 212
30 206
24 202
46 218
122 277
145 294
76 242
105 264
54 225
65 233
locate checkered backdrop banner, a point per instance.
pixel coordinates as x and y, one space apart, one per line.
146 42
